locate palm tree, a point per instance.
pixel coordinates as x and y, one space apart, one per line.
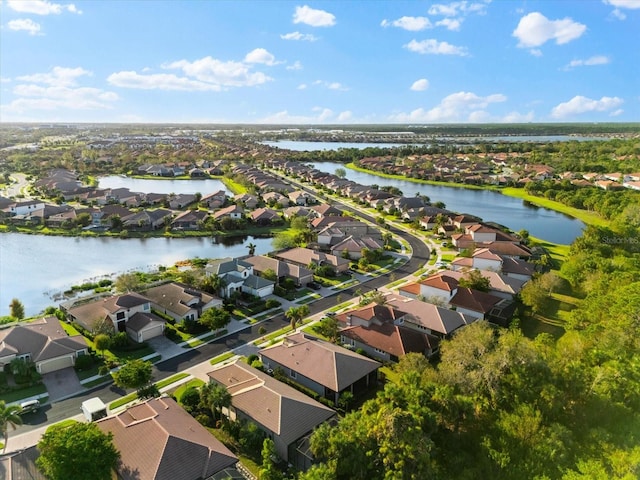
215 397
252 248
9 415
296 314
217 283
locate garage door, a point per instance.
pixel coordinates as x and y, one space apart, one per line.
151 332
55 364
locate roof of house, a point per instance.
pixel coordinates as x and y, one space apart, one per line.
435 318
369 313
306 256
288 413
441 281
159 440
140 320
43 339
21 465
474 300
178 297
497 281
92 312
325 209
393 339
282 269
255 282
323 362
226 265
228 211
514 265
352 243
486 254
263 213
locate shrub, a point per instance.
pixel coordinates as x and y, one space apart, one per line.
272 303
252 358
103 370
120 340
204 419
171 334
84 362
190 399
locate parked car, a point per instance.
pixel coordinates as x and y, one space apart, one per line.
313 285
29 406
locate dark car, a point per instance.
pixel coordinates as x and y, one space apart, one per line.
313 285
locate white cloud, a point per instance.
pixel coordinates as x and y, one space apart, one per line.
260 55
302 86
516 117
620 15
454 9
217 72
295 66
580 104
325 113
159 81
413 24
315 18
617 112
41 7
434 47
5 80
330 85
452 24
57 90
591 61
345 116
460 106
25 24
630 4
306 37
536 52
420 85
58 77
535 29
321 115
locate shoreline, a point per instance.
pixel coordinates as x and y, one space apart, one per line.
586 217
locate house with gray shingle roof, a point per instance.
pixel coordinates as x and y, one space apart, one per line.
325 368
129 313
43 342
239 277
181 301
159 440
282 412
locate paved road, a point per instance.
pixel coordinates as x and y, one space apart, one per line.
71 407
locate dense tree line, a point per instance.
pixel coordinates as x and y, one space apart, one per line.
500 405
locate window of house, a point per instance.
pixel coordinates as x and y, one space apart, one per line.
120 315
292 374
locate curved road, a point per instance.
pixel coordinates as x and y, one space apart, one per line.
71 407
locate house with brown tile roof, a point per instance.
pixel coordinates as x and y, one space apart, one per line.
283 413
43 342
475 303
265 216
189 220
300 275
159 440
233 211
354 245
389 342
326 210
129 313
325 368
21 465
181 301
305 256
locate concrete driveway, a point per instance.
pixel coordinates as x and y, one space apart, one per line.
62 384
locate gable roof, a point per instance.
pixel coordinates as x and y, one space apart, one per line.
178 297
281 269
159 440
433 317
275 405
21 465
305 256
327 364
474 300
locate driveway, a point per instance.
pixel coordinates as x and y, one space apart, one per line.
62 384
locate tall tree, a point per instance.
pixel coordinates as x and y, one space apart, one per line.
133 374
217 284
9 417
127 282
296 314
16 309
215 318
215 397
80 451
475 280
252 248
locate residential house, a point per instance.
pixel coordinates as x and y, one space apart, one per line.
323 367
275 198
238 276
291 212
159 440
21 465
189 220
214 200
305 257
283 413
518 269
43 342
354 246
477 304
25 207
300 275
249 201
265 216
129 313
182 200
300 197
326 210
463 221
439 288
147 219
232 211
180 301
482 259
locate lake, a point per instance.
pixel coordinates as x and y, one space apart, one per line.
35 268
490 206
164 186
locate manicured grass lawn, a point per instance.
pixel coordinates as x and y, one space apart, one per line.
173 379
331 282
63 424
123 401
590 218
18 395
98 381
196 382
533 326
448 257
235 187
221 358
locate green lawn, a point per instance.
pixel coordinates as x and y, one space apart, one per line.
235 187
221 358
173 379
17 395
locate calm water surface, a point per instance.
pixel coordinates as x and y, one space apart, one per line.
490 206
165 186
35 268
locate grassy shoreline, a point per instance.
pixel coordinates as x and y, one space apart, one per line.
589 218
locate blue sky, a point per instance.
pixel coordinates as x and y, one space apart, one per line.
333 62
